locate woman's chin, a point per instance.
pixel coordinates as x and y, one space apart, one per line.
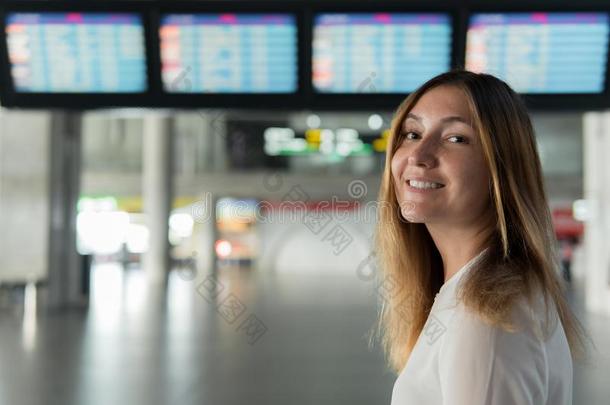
410 213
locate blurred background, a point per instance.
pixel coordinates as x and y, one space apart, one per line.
187 188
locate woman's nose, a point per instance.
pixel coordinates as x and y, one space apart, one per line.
424 154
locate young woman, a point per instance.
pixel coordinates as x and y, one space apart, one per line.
477 315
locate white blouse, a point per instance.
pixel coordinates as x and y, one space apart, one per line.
460 360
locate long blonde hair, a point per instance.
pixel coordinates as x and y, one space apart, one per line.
521 253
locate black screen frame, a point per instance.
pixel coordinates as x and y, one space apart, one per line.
12 98
233 100
304 11
555 101
372 101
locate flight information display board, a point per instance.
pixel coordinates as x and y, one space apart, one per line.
379 52
76 52
541 52
229 53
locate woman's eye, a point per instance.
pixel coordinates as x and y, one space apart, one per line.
410 135
460 139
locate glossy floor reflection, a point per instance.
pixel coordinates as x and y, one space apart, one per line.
141 345
240 338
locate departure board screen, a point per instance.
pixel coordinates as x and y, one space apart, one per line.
379 52
76 52
541 52
229 53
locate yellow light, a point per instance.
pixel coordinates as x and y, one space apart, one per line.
379 145
313 135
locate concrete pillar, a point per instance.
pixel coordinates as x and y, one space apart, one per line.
157 193
216 123
25 160
597 194
65 270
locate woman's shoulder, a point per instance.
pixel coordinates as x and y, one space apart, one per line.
529 320
493 349
510 364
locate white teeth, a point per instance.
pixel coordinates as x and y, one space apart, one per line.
423 184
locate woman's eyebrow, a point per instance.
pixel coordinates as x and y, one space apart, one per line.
452 118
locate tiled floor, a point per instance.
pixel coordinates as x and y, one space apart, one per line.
248 339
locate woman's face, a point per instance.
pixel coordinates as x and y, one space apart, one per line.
439 171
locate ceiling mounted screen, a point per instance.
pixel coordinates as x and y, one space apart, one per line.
76 52
229 53
379 52
541 52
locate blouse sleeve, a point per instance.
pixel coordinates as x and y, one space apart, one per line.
484 365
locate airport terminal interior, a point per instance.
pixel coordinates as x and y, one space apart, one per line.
189 189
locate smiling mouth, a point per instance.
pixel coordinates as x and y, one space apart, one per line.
424 185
